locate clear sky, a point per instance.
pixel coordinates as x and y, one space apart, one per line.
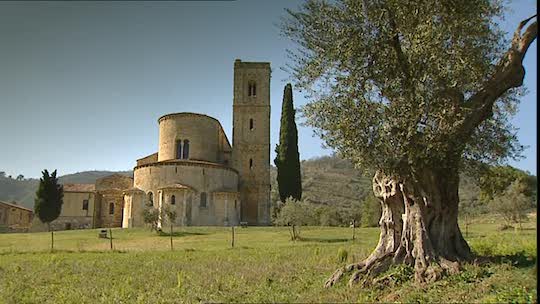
82 84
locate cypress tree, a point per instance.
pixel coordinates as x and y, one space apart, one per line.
287 158
49 200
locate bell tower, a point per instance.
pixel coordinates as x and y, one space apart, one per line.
251 139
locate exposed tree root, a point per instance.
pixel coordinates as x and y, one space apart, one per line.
368 273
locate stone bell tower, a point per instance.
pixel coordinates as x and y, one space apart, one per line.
251 139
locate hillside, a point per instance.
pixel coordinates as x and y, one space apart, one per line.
23 191
326 180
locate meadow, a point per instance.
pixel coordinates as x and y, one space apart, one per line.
264 266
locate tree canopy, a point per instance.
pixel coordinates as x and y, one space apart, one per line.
397 84
49 197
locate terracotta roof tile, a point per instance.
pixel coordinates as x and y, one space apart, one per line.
79 187
16 206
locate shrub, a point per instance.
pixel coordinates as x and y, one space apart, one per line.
151 217
342 255
513 204
298 213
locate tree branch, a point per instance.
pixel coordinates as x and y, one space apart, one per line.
396 45
508 74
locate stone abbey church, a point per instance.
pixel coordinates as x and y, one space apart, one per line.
195 171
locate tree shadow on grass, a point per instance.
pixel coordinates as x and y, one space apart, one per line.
180 233
324 240
519 259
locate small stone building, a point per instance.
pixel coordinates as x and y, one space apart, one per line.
91 205
15 218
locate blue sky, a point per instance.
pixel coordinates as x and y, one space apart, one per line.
82 84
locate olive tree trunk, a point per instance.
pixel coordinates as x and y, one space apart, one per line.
419 228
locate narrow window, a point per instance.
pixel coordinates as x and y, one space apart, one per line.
179 149
173 200
251 124
235 205
203 200
186 149
150 197
252 89
85 204
111 208
250 164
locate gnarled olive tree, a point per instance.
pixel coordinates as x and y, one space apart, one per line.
411 90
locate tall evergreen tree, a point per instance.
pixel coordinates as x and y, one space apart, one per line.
49 200
287 158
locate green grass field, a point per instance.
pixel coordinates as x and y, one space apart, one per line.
264 266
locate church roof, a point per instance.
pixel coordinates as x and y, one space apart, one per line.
16 206
175 186
133 189
79 187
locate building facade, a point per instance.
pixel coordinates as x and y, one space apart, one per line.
98 205
15 218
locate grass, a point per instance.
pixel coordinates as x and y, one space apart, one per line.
264 266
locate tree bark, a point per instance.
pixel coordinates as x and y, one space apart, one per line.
419 228
52 236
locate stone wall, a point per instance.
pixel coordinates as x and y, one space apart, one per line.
198 178
206 137
73 204
15 219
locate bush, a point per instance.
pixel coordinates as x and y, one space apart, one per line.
296 213
329 216
151 218
342 255
513 204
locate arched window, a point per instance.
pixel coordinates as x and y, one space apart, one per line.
111 208
150 198
203 200
186 149
179 149
173 200
250 164
252 88
251 124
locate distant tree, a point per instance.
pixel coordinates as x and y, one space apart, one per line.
513 204
497 179
151 218
287 158
20 177
329 216
170 215
49 200
2 174
295 214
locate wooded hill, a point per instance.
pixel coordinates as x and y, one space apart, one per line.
326 180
